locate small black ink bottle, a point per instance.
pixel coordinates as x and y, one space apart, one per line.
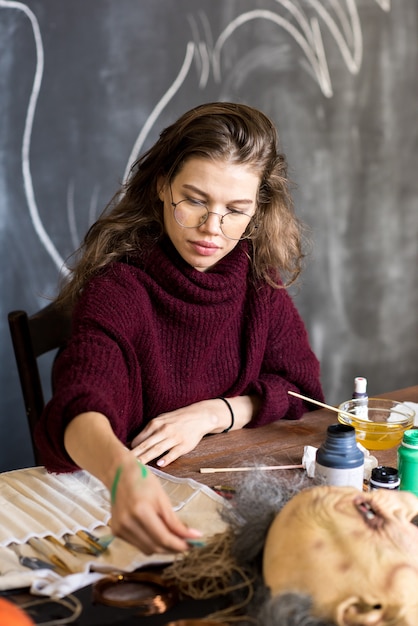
384 477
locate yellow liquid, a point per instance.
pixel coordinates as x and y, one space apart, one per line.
374 439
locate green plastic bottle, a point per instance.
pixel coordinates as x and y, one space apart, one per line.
408 461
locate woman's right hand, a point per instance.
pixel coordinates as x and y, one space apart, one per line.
142 513
141 510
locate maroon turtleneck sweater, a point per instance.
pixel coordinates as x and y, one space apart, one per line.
150 338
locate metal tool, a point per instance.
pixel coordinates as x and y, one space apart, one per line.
42 546
32 562
79 548
98 543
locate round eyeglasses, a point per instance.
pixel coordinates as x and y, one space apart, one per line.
192 213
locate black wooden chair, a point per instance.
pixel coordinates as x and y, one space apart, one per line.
33 336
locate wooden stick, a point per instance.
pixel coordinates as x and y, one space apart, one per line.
213 470
326 406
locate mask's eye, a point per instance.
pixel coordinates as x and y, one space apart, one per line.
414 520
370 515
366 509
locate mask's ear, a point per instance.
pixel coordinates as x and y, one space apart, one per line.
355 611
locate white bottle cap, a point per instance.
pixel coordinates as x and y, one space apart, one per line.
360 384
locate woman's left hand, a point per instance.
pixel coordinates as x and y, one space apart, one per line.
170 435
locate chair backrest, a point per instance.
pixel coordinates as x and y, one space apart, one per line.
32 336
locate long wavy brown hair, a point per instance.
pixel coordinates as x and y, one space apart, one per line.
221 131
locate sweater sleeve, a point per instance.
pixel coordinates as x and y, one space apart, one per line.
288 364
95 372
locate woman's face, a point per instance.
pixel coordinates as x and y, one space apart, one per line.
223 188
355 553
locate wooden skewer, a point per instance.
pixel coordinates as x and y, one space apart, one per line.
326 406
213 470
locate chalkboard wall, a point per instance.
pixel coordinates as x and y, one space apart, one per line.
87 84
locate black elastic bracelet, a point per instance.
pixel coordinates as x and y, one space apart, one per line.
231 411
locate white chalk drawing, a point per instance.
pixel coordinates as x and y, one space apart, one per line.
27 134
169 94
341 19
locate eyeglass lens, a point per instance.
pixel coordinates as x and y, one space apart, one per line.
191 214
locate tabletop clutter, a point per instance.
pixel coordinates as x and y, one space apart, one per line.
55 535
367 425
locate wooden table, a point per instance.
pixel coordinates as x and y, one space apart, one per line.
281 443
278 443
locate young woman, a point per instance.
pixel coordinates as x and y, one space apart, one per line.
182 325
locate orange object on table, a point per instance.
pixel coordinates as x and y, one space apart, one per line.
12 615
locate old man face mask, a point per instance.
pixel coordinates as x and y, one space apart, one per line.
327 556
354 553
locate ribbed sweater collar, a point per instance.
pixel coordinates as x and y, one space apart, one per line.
226 280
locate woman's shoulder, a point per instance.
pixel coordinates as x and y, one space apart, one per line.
118 272
275 299
116 285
